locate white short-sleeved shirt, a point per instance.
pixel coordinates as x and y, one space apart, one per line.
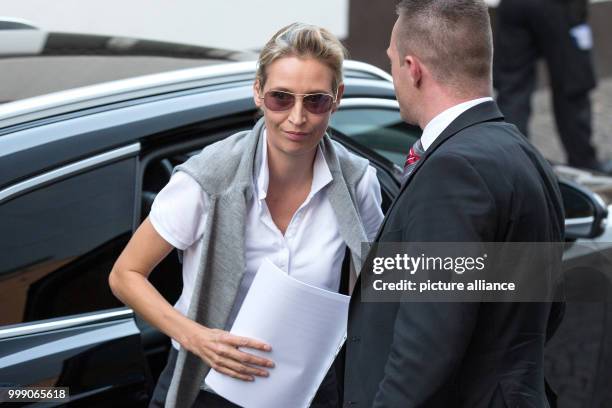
311 250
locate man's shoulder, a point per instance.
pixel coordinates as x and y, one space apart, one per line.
490 142
491 134
497 152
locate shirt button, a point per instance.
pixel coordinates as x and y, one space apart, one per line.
355 339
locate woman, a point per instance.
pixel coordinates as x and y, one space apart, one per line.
282 191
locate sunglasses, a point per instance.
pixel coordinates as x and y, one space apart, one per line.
316 103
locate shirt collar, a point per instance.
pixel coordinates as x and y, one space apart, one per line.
321 175
437 125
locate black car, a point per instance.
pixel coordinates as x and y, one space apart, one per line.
79 170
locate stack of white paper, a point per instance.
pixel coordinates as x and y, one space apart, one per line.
305 325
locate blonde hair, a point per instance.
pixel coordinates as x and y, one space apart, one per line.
303 41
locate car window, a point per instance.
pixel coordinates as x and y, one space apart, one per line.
59 242
380 129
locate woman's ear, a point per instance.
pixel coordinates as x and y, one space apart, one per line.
339 94
257 94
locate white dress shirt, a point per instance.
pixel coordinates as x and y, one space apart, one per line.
311 249
438 124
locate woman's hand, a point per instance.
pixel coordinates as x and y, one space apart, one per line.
219 349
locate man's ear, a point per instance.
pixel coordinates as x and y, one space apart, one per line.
338 97
257 94
415 69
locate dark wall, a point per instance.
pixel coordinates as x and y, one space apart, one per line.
600 18
370 24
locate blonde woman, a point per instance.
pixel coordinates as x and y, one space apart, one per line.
282 191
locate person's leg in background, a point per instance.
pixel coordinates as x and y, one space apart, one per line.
573 119
572 78
515 59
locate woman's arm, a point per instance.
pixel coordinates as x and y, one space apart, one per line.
129 282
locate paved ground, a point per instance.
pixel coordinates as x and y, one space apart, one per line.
576 359
542 127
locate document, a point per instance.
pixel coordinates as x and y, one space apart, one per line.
304 325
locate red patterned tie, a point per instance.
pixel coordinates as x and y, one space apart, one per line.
416 151
412 158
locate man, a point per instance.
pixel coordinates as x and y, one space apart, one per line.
556 30
472 178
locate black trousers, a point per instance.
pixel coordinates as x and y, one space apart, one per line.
527 30
327 395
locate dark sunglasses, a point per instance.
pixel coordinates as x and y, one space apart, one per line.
316 103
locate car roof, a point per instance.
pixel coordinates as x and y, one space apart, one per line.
219 74
34 62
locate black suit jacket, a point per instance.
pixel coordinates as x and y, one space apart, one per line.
481 181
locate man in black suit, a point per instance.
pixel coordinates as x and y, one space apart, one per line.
470 178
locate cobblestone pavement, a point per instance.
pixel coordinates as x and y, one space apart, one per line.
544 134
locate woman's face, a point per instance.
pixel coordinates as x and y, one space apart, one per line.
296 131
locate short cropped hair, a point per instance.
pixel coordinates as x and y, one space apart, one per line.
452 37
303 41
